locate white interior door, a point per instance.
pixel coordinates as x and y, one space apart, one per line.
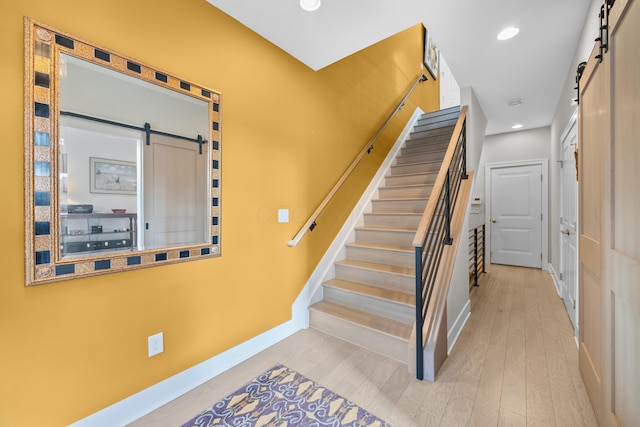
516 215
569 222
175 193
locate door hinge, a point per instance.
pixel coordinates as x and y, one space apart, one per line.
540 256
560 276
540 178
540 217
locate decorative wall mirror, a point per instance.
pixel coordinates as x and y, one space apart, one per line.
122 162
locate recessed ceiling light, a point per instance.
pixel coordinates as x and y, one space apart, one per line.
507 33
310 5
517 126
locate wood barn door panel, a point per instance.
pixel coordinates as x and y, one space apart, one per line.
625 253
594 134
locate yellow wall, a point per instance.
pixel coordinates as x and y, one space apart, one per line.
71 348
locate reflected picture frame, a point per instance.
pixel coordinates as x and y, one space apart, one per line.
431 58
112 176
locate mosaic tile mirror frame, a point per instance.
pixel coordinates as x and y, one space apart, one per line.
56 250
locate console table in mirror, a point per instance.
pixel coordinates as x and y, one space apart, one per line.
122 162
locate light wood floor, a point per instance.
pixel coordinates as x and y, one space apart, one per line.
515 364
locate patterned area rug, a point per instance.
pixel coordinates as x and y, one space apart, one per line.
283 398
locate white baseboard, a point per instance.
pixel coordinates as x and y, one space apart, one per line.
556 280
456 329
136 406
324 270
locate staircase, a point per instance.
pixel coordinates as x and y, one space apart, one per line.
371 300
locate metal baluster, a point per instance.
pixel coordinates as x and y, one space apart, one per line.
447 210
475 270
419 319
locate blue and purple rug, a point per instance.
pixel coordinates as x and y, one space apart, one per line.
281 397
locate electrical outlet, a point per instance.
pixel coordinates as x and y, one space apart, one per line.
156 344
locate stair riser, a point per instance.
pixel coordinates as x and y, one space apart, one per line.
401 312
429 133
376 278
419 158
415 168
400 238
391 206
405 192
425 148
419 127
438 116
381 256
392 221
391 347
416 179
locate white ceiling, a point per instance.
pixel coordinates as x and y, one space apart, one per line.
532 66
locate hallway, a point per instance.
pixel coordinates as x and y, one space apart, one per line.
515 364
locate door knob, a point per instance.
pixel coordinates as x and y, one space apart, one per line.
567 232
493 221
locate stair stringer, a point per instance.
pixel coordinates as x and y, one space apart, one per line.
312 291
435 331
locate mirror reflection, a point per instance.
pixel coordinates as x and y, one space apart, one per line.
112 178
122 162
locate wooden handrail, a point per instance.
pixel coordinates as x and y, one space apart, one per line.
439 183
311 222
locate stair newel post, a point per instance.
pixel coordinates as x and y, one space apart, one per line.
419 320
447 209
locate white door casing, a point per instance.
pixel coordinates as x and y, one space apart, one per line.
569 221
517 200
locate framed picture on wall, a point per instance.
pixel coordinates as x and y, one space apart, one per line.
113 176
431 54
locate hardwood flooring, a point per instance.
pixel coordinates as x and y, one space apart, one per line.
515 364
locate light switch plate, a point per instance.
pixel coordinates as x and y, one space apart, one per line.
283 215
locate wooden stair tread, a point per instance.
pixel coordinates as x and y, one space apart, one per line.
398 187
418 163
373 291
401 175
439 150
405 271
371 321
391 229
402 199
406 214
384 246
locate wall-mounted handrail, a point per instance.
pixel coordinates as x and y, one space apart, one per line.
311 222
434 230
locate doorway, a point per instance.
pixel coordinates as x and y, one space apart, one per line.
569 220
517 206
